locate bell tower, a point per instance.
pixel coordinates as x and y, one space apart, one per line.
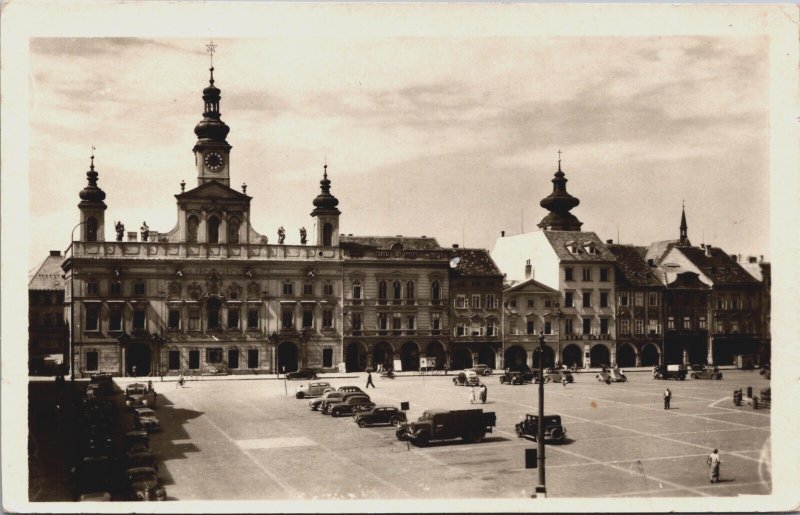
326 213
212 151
559 203
92 208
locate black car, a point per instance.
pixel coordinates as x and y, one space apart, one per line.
92 474
381 415
512 377
141 459
97 439
143 485
303 373
553 430
350 405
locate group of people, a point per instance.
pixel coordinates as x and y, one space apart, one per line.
481 395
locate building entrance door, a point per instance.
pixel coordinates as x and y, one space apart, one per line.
139 356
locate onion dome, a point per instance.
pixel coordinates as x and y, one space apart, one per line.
211 127
325 202
559 203
92 194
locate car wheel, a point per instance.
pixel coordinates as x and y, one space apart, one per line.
694 376
396 422
557 434
547 379
518 430
361 422
334 413
421 440
300 395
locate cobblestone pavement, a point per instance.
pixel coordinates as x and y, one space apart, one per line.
248 440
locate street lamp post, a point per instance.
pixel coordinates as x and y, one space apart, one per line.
540 488
72 302
557 316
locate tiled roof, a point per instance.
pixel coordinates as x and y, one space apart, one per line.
559 240
658 249
632 269
49 275
530 283
386 242
474 262
718 265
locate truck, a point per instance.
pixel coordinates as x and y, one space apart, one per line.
436 424
670 372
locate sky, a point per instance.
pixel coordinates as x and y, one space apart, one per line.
454 138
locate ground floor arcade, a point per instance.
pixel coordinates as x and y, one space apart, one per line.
521 355
409 355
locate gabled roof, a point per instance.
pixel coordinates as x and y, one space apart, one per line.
688 281
386 242
49 274
212 189
530 285
717 265
658 249
473 262
560 239
632 269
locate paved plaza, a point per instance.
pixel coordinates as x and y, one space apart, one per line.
248 439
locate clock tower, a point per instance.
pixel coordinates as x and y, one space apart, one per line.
212 151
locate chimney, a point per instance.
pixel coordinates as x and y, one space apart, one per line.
708 250
735 258
455 245
761 258
502 234
609 242
528 269
752 259
55 252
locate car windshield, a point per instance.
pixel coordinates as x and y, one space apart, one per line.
144 476
146 412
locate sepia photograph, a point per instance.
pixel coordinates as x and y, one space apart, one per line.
391 257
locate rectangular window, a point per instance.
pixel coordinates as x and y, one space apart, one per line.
287 319
461 329
436 322
734 326
115 288
548 303
356 318
623 299
91 288
653 327
327 289
92 360
212 316
461 301
252 318
653 298
115 318
476 302
604 274
288 288
308 289
603 299
513 303
491 328
670 323
327 357
568 273
233 358
252 358
530 327
194 319
548 327
530 303
491 301
194 359
702 323
587 274
587 299
174 360
214 355
639 326
603 326
174 319
687 323
92 317
410 322
308 318
233 317
568 329
587 326
475 328
383 321
568 303
397 322
327 318
720 326
139 319
638 298
625 326
138 287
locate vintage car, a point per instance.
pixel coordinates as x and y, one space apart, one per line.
219 369
97 439
466 378
104 382
141 459
92 477
481 370
145 419
339 397
470 425
706 373
515 378
553 430
556 374
611 375
313 389
381 415
669 372
92 411
303 373
350 405
136 441
143 485
137 395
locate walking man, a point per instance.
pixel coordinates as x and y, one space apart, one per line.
369 379
713 466
564 380
667 398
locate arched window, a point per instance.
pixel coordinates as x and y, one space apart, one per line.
213 229
327 235
382 292
191 229
91 229
436 292
233 229
410 290
397 291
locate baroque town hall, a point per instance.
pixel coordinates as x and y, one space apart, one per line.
213 294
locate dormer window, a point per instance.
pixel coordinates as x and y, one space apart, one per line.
572 247
589 247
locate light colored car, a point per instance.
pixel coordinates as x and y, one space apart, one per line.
314 389
145 419
482 370
613 375
466 378
332 396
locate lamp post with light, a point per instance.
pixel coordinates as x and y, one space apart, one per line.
541 490
72 302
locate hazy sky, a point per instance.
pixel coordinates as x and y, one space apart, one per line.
454 138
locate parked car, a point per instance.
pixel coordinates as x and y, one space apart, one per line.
303 373
136 441
553 429
145 419
313 389
219 369
326 404
143 485
97 439
556 374
92 477
481 370
611 375
381 415
351 405
466 378
137 395
514 378
315 404
669 372
470 425
706 373
104 382
141 459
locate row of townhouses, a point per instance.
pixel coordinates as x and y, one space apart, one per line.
213 293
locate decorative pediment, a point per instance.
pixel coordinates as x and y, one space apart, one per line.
212 190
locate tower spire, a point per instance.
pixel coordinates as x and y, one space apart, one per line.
684 240
212 148
559 203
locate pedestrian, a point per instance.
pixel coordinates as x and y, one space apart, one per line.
446 368
484 393
149 386
713 466
133 371
667 398
180 380
369 379
564 380
472 395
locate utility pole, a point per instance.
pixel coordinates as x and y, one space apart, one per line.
541 490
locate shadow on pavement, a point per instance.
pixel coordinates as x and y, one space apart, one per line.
171 443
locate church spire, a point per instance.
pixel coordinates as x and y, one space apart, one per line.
559 203
684 241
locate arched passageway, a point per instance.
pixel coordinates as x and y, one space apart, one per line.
650 355
139 356
460 358
355 357
573 356
516 358
436 350
383 354
287 357
409 354
626 356
486 356
599 356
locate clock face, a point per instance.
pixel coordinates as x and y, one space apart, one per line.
213 161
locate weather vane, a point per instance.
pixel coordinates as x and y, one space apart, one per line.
211 48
